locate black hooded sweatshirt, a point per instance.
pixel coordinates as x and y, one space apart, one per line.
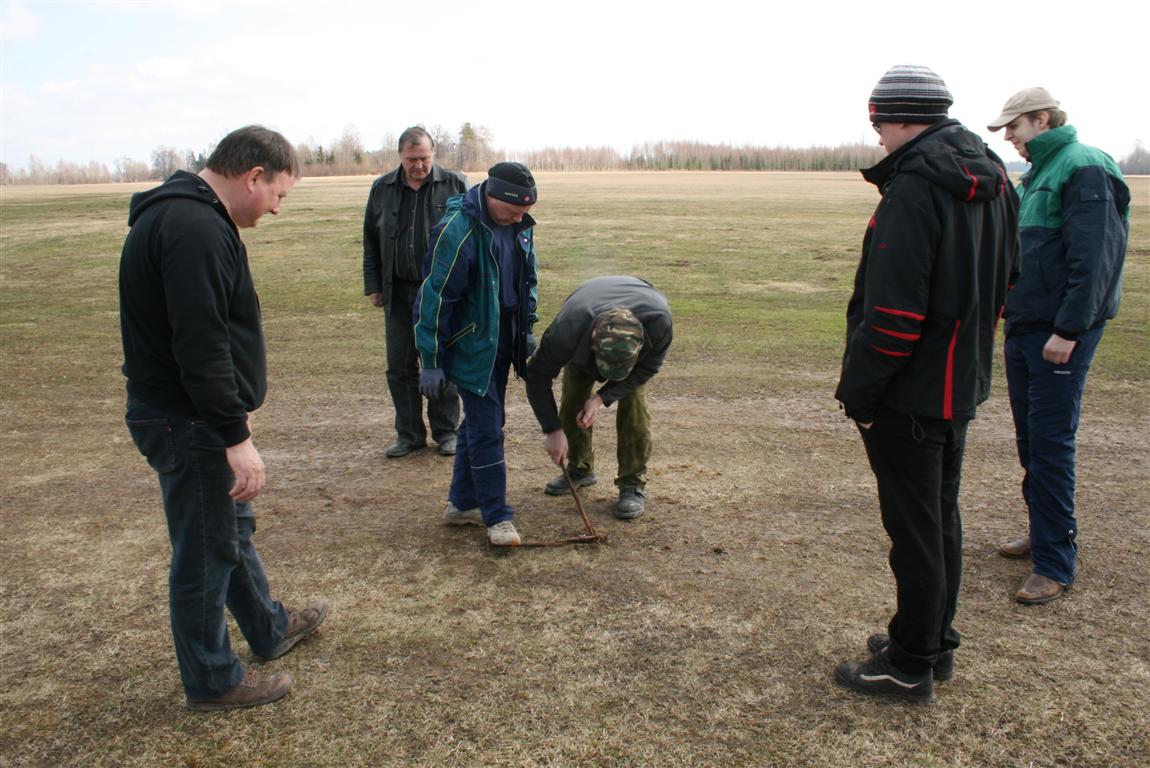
189 314
939 254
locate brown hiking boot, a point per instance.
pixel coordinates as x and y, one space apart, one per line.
1016 549
252 692
300 625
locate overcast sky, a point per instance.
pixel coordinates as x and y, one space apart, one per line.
84 81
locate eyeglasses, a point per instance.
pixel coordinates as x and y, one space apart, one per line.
877 128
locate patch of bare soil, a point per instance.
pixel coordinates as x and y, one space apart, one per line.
703 633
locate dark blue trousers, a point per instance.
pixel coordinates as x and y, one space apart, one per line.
1046 401
917 463
479 478
214 562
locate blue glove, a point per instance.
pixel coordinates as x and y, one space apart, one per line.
432 382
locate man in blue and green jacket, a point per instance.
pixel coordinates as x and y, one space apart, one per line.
473 319
1073 227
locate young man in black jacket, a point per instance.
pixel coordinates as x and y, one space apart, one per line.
195 364
937 259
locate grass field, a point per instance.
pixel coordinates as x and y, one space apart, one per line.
703 634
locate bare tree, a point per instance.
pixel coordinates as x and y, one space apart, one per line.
165 162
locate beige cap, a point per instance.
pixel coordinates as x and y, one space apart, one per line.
1028 100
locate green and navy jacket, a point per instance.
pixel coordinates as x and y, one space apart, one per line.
457 312
1074 224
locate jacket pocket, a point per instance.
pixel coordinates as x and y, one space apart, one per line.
468 329
153 438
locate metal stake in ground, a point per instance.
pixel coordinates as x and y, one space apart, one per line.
578 503
591 537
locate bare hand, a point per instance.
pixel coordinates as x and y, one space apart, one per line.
556 446
865 425
1058 349
376 298
590 410
248 468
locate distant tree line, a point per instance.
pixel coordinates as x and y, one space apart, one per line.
471 149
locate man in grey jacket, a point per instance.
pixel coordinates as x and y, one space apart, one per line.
617 330
403 206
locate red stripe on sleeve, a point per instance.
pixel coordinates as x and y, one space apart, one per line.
901 313
897 335
889 352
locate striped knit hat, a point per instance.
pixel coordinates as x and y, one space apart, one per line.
909 94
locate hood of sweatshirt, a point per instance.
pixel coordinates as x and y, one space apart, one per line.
950 157
180 184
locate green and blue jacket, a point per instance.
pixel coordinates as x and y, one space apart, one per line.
457 312
1074 224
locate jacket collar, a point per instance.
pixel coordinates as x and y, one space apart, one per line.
882 171
1047 145
395 175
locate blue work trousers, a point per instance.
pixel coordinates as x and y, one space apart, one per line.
479 478
1046 400
214 562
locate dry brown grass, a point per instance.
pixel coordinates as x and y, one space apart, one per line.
703 634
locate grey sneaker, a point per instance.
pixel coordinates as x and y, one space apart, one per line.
301 624
503 534
252 691
630 503
452 515
877 676
558 486
943 665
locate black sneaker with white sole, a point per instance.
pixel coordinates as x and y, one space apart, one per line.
878 677
943 665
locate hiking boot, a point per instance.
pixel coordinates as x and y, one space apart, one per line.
447 445
503 534
402 447
1016 549
453 515
877 676
1039 589
253 691
558 486
300 625
630 503
943 665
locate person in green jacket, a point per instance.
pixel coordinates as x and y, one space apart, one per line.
1073 230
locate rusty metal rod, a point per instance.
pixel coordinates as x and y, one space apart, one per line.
578 503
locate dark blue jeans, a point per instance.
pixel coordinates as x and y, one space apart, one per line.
917 463
214 562
479 478
1046 401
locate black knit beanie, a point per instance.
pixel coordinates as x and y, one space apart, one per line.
512 183
909 94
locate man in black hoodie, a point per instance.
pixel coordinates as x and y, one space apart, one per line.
937 258
195 364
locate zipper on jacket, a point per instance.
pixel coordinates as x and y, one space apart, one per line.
466 330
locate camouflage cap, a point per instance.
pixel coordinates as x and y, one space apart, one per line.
616 339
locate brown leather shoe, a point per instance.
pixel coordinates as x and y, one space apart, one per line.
301 624
253 691
1039 589
1016 549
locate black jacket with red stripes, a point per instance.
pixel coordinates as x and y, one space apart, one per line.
939 254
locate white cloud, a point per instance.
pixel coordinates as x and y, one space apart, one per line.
17 22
